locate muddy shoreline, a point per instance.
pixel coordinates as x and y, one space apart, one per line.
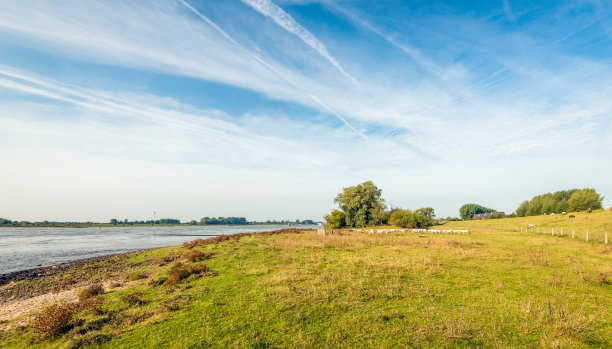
40 272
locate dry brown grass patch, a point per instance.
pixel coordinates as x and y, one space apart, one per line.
91 291
53 321
134 298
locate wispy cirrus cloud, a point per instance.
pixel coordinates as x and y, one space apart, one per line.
283 19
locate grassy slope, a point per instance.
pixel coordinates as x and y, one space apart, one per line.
492 288
596 223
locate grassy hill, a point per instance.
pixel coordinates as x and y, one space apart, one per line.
491 288
596 223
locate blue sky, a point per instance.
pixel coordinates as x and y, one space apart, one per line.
266 109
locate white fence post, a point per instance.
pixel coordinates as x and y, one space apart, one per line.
561 231
552 231
606 238
587 238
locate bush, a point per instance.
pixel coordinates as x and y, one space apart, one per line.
53 321
177 273
91 291
180 272
134 299
93 305
335 220
408 219
194 256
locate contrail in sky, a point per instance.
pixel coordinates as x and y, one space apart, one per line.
283 19
274 70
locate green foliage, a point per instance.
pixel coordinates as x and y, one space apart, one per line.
585 199
224 221
411 219
335 220
428 212
560 201
362 205
468 211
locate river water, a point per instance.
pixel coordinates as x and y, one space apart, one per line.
26 248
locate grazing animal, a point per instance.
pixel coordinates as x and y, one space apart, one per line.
589 210
577 210
571 216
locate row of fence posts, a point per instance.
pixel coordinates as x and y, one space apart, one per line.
552 232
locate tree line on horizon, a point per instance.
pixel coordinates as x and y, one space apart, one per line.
162 221
561 201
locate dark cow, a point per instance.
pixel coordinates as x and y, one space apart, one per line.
571 216
577 210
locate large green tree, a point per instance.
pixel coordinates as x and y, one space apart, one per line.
362 205
584 199
559 201
427 212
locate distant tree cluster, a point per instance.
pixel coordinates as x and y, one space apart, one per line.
11 223
560 201
468 211
362 205
223 221
114 221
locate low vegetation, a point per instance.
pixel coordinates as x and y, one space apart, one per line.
91 291
494 287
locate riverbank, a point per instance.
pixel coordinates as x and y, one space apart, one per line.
29 248
491 288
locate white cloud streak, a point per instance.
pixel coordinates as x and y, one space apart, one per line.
283 19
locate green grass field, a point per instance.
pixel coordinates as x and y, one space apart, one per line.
491 288
596 223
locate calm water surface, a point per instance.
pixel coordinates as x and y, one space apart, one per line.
26 248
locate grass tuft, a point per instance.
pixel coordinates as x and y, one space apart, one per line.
53 321
91 291
194 256
133 299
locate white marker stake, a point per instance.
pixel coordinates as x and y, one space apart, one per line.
587 238
572 234
552 231
606 238
561 231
